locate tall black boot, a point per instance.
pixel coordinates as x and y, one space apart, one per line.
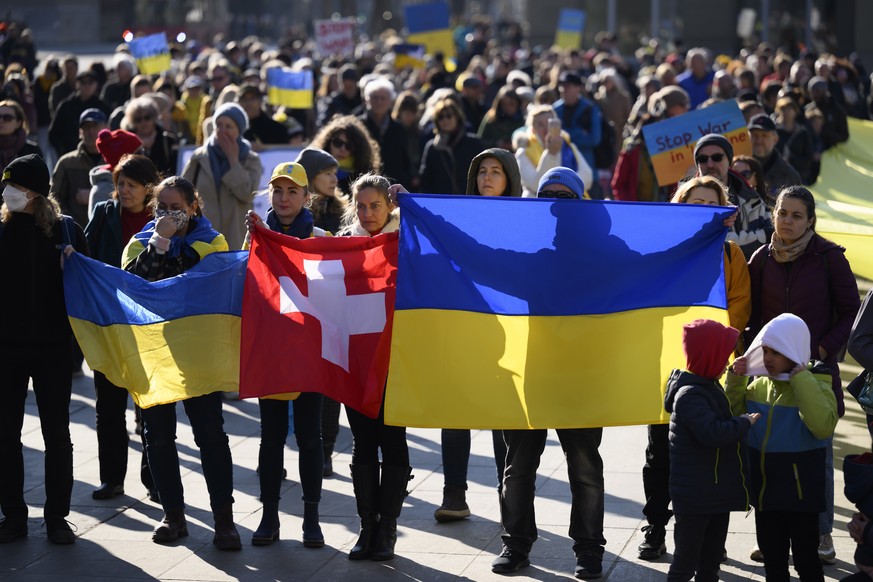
392 491
365 479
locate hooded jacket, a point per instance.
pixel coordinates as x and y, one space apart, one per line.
787 446
102 186
753 227
510 168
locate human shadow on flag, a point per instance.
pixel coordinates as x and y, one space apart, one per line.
558 316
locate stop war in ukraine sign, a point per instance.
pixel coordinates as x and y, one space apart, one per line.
671 142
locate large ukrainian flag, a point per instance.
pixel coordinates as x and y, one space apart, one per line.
163 341
515 313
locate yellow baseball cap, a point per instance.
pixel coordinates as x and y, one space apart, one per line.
291 170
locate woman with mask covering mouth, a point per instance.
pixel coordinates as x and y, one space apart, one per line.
35 344
178 238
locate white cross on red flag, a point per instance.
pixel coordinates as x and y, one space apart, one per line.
317 317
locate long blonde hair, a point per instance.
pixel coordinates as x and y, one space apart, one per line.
46 212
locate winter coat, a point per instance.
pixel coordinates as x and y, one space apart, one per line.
778 173
531 174
738 285
72 173
444 167
102 186
819 287
753 227
226 207
585 128
797 150
104 233
787 445
143 259
707 461
64 129
396 164
861 339
510 168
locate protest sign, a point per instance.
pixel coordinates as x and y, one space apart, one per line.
335 37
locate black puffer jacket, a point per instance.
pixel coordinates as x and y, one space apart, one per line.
707 462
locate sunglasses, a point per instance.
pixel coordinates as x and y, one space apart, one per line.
446 116
556 194
141 118
340 143
8 117
703 158
746 174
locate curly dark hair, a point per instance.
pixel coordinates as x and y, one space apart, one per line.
365 150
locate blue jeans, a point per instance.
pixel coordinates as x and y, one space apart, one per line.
207 423
585 470
307 431
456 456
826 517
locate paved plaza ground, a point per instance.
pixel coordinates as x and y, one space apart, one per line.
115 536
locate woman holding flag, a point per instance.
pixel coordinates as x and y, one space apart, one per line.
178 238
289 195
379 497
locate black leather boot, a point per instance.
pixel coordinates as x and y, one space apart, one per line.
268 529
312 536
226 536
365 479
392 492
173 526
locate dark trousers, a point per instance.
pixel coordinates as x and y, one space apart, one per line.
777 531
371 435
456 456
656 476
699 543
330 410
49 368
585 470
307 431
207 423
112 436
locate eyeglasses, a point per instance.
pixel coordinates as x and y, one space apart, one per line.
703 158
556 194
8 117
340 143
141 118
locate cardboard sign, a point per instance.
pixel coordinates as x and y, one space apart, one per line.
335 37
671 142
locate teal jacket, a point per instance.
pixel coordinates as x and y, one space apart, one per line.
787 445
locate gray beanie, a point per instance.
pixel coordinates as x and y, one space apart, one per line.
236 113
715 139
315 161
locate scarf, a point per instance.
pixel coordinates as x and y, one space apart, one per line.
300 227
786 253
535 150
219 162
199 230
10 145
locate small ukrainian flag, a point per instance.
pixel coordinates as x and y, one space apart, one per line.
290 88
152 53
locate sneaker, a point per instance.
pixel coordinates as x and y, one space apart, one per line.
59 531
454 505
12 529
654 545
826 553
509 561
756 554
588 567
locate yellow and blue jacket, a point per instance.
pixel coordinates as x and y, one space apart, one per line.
143 259
788 444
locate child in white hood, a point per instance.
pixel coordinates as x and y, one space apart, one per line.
787 451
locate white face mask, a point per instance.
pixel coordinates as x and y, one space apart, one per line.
180 217
15 199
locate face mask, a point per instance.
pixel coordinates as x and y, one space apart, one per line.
179 217
15 199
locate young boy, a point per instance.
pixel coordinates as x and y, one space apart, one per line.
787 451
706 466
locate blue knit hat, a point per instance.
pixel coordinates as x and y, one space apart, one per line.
564 176
236 113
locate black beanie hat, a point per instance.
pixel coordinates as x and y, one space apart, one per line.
315 161
716 140
30 172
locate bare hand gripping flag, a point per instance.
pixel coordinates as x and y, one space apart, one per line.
163 341
519 313
317 317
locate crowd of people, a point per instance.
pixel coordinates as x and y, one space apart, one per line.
91 162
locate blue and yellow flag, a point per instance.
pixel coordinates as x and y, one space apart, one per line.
428 25
289 88
844 196
571 23
163 341
513 313
152 53
409 55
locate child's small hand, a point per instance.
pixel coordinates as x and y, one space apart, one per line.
856 527
753 417
739 367
796 370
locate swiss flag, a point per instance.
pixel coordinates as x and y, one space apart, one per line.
317 317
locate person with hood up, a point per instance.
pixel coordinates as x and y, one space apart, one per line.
704 434
786 452
112 145
226 172
494 172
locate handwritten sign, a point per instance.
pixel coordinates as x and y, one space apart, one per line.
335 37
671 142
